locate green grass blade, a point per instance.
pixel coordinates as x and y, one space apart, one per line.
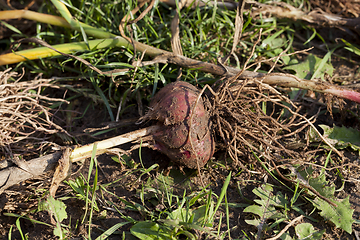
27 218
35 16
227 216
12 28
75 24
10 231
350 47
111 230
222 194
88 180
317 73
93 158
65 13
17 223
103 97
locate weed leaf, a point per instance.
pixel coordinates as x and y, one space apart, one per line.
342 137
180 214
311 65
265 193
307 231
286 236
321 186
56 208
266 206
150 230
202 214
341 215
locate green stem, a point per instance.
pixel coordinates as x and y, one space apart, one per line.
44 52
89 30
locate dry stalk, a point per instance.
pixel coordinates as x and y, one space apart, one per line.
283 10
287 227
315 17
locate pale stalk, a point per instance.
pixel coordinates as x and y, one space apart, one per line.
35 16
85 151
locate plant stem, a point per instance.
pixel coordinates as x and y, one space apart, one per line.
85 151
44 52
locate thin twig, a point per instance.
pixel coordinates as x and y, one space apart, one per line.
286 227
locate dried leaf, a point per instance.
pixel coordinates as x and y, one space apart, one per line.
62 171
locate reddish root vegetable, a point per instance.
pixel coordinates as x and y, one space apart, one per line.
172 108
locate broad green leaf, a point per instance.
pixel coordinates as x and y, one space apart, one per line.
150 231
305 172
202 213
307 231
254 222
311 65
263 211
286 59
265 193
322 186
286 236
319 183
60 232
321 68
272 41
57 208
180 214
342 137
341 215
